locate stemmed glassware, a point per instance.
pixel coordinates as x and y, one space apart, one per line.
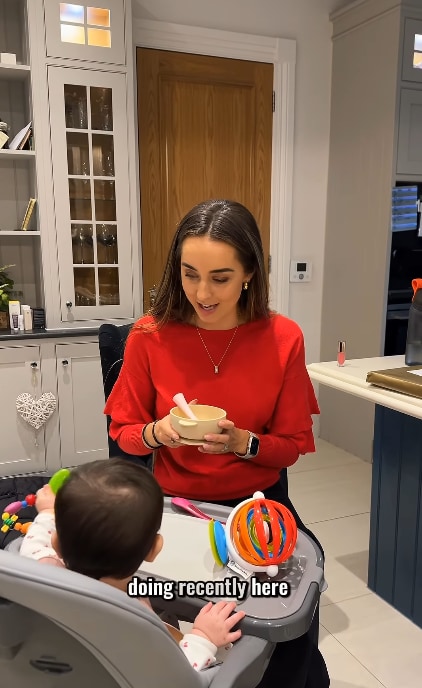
82 244
106 235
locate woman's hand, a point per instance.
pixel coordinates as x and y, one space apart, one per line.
231 439
215 622
166 434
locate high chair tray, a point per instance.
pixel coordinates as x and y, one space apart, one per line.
186 560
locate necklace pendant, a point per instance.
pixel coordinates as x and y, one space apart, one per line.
216 370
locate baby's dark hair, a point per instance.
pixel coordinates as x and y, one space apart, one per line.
108 514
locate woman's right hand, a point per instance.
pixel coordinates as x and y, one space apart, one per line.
165 432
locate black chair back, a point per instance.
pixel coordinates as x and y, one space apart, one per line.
112 340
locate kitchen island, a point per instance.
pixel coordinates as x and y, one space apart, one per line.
395 545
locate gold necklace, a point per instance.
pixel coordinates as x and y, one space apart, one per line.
216 365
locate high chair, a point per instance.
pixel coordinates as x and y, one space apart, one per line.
59 628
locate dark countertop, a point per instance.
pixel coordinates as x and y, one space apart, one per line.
8 336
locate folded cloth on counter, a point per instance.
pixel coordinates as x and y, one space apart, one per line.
407 380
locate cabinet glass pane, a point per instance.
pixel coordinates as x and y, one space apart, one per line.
417 55
84 279
72 34
105 200
99 37
80 199
77 153
71 13
76 112
82 244
101 109
97 16
107 251
103 155
108 286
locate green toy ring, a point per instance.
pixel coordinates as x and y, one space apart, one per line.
58 479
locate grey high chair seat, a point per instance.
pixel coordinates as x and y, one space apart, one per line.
59 628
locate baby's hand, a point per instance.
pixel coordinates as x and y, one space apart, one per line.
215 622
45 499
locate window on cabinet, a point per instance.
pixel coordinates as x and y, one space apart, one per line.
85 25
417 51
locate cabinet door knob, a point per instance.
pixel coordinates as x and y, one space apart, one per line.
34 365
65 362
69 304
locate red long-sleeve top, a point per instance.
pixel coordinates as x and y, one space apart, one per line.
262 383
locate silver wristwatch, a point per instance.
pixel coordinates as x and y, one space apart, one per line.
252 448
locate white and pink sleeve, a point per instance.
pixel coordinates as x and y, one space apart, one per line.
37 542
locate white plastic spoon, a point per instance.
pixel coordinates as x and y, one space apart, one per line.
183 405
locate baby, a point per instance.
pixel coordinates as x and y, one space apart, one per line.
104 523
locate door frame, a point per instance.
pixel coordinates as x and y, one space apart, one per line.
281 52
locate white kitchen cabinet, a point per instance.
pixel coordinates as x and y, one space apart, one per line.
93 31
18 179
412 50
92 191
83 430
375 141
22 450
74 81
409 148
76 432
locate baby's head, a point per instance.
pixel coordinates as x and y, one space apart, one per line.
108 514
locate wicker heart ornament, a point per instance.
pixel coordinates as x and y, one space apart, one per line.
36 412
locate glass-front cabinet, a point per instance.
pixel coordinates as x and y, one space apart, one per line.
86 30
91 191
412 50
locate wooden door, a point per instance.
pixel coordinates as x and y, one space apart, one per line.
205 131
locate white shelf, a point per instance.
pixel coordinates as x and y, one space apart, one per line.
15 72
19 232
16 154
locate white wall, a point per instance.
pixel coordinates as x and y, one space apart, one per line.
307 22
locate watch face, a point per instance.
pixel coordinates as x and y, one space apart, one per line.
254 446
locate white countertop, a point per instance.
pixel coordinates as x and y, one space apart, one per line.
351 378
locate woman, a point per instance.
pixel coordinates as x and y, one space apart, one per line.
212 336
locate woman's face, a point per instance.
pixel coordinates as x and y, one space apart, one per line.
212 279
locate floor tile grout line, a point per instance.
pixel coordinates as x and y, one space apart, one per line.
337 518
346 599
371 673
312 469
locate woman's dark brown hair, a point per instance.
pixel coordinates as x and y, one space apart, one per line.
108 514
219 220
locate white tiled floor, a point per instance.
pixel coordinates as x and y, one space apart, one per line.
365 642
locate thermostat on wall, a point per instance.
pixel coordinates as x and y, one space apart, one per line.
300 271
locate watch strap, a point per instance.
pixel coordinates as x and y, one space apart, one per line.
252 448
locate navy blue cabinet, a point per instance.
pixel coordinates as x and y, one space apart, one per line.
395 550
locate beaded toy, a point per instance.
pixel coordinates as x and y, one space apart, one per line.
260 534
9 516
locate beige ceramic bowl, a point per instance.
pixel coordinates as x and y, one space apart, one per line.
208 417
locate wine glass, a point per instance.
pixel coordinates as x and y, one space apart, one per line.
82 238
107 237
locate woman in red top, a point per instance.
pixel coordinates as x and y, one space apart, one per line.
211 335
